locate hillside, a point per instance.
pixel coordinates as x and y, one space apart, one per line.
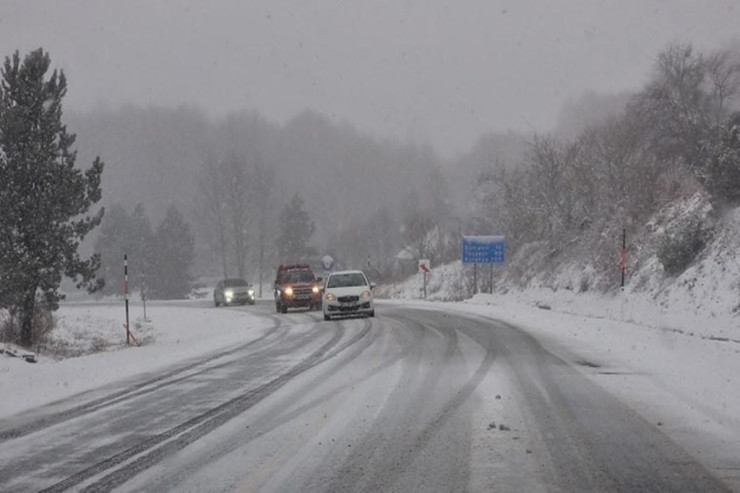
702 300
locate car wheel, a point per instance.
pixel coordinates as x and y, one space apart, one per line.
371 314
215 302
326 317
283 309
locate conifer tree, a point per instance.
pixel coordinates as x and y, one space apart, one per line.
44 198
173 253
122 234
296 229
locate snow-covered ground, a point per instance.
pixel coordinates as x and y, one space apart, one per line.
686 383
676 372
169 335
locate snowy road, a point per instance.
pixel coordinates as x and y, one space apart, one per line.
412 400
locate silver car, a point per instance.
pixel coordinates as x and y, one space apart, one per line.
233 291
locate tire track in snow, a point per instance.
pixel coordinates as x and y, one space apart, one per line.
145 387
146 454
379 462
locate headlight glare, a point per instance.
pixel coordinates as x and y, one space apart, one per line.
289 291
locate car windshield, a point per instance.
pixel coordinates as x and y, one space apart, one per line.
235 283
346 280
298 276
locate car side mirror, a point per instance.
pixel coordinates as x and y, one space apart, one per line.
319 280
372 285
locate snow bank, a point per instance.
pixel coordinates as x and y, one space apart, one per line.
94 332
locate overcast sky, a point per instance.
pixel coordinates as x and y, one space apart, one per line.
436 71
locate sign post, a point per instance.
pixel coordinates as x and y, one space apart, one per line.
327 264
424 269
483 250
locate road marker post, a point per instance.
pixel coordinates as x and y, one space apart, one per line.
623 260
125 297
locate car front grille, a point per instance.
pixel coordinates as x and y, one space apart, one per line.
348 299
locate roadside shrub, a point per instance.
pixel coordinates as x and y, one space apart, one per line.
680 246
41 325
98 345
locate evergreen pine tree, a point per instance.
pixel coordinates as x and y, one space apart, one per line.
122 234
44 199
296 229
173 254
141 258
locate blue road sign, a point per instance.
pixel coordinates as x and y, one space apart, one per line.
483 249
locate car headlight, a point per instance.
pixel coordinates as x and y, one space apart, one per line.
366 295
229 293
250 292
315 289
330 297
289 291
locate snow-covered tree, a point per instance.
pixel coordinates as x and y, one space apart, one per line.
173 254
122 234
681 111
236 192
417 223
295 231
262 185
44 198
722 172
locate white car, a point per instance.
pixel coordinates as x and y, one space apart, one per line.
348 292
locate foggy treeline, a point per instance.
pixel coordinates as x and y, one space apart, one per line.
233 177
611 162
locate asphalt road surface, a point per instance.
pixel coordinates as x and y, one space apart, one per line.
411 400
